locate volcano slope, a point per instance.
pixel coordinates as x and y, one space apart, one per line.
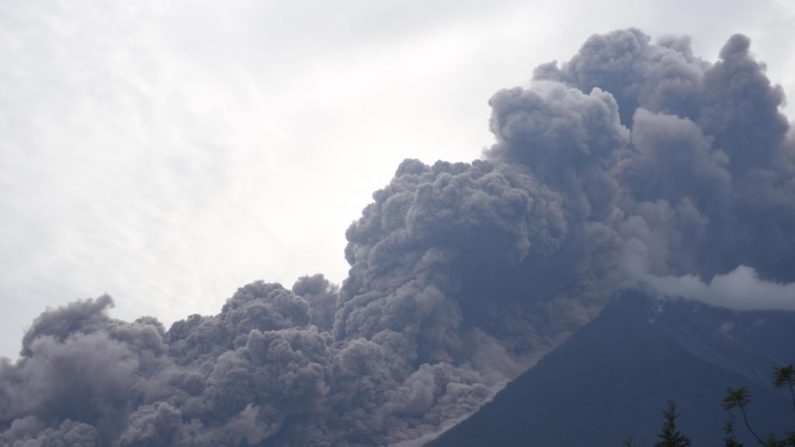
611 380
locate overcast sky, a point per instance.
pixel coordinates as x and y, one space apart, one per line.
167 153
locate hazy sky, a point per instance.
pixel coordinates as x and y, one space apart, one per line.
167 153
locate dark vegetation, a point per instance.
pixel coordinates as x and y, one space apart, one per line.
736 399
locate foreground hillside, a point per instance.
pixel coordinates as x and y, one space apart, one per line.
611 380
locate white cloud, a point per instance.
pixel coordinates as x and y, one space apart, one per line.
168 152
741 289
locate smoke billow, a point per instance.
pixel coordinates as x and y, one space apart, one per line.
634 161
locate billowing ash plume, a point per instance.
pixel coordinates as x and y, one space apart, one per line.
631 162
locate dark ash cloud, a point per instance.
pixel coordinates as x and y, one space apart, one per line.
632 162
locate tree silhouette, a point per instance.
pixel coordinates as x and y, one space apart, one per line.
730 440
785 376
669 435
740 398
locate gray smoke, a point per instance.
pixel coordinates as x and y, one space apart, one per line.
633 162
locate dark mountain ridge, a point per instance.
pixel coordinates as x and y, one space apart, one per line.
611 380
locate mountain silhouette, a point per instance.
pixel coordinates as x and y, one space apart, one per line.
611 380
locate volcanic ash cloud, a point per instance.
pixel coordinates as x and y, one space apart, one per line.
632 162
